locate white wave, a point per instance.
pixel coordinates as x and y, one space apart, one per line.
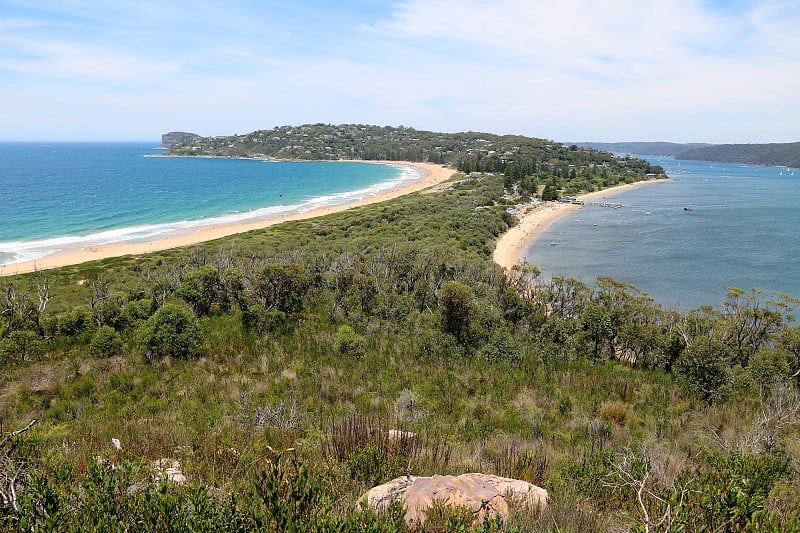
23 251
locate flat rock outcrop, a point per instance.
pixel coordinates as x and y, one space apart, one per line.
486 496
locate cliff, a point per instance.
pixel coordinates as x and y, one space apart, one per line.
168 140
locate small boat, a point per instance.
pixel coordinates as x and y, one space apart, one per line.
688 208
553 243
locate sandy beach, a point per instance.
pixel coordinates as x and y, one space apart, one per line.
432 175
536 219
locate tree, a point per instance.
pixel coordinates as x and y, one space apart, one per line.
703 367
457 309
597 331
106 342
172 331
550 192
201 289
281 287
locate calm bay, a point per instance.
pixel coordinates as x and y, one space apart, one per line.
683 242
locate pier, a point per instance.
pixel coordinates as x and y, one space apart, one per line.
603 204
576 201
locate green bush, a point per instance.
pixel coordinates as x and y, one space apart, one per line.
106 342
20 345
172 331
258 320
75 321
704 370
348 342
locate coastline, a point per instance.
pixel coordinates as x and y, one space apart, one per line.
432 175
536 219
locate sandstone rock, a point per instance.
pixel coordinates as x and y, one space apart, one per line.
484 495
169 470
380 497
176 137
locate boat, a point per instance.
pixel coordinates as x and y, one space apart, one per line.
688 208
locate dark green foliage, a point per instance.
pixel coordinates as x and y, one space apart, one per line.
106 342
75 321
258 320
201 289
20 345
730 492
596 330
172 331
704 370
773 154
501 347
348 342
281 287
458 308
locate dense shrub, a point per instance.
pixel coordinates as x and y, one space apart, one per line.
348 342
106 342
172 331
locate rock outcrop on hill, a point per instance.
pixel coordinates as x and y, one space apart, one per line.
485 496
168 140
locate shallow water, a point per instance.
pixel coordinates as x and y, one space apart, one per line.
55 195
743 230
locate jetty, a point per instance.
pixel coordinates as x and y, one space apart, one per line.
576 201
603 204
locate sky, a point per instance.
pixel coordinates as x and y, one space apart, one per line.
718 71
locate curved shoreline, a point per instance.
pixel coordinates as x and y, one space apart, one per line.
431 175
536 219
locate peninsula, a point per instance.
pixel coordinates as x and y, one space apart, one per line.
281 378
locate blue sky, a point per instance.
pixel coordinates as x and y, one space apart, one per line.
676 70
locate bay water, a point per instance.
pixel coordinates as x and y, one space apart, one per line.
685 241
56 196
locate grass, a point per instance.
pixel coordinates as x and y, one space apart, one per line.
366 351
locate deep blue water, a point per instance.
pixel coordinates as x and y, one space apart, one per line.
743 231
58 195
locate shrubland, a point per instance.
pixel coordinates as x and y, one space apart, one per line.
271 365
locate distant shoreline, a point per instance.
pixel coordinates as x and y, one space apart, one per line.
536 219
432 175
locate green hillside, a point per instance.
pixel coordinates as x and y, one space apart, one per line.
644 148
774 154
271 365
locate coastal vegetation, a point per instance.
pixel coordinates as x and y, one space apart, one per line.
773 154
272 365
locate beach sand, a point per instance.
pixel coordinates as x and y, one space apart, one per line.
432 175
536 219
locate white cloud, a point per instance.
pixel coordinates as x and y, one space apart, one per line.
569 70
596 62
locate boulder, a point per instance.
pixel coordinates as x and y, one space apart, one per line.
169 470
484 495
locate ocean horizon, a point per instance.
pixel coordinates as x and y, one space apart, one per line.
685 241
70 195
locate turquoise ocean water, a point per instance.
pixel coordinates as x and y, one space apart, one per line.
57 196
743 231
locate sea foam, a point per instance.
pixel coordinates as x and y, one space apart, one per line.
19 251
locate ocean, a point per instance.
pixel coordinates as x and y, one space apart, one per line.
57 196
684 242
